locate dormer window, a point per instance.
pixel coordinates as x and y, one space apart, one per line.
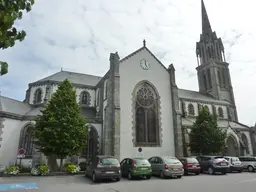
85 98
38 96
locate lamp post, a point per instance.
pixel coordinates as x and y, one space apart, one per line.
88 142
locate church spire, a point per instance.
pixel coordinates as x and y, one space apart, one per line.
206 26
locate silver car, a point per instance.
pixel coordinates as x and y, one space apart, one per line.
234 164
166 166
249 163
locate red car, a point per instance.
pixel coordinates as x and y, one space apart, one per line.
191 165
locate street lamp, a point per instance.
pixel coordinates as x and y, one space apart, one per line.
88 142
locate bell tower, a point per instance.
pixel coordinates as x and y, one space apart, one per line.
213 70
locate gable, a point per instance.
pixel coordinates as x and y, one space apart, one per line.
132 63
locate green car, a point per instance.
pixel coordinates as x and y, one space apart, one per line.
135 167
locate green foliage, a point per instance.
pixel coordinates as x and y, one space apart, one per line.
206 137
43 169
10 11
3 68
13 170
73 168
67 164
60 130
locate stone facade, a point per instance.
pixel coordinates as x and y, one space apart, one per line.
110 105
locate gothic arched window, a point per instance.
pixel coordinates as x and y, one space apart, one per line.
219 77
85 98
191 109
106 89
26 140
146 115
38 96
205 81
220 112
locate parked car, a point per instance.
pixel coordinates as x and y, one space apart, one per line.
213 164
249 163
166 167
191 165
234 164
104 167
136 167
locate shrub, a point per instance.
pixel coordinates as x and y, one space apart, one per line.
73 168
40 170
82 165
67 164
13 170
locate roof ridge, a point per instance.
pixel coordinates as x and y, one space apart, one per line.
80 73
14 100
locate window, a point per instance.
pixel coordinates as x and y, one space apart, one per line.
38 96
26 140
220 112
109 161
171 161
191 109
219 77
205 81
146 115
85 98
140 162
209 78
106 89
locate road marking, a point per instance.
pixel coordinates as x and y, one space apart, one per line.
245 181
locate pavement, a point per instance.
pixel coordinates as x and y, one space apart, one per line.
235 182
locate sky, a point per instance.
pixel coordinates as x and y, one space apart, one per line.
79 36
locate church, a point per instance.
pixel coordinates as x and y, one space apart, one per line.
136 104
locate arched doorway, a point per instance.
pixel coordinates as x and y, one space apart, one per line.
92 144
232 149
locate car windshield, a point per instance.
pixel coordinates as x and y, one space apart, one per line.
234 159
171 160
142 162
192 160
109 161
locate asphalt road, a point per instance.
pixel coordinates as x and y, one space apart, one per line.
231 182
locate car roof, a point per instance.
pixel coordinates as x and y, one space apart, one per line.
187 157
105 156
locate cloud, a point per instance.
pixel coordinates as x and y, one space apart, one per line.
79 35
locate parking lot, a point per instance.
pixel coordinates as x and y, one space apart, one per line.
231 182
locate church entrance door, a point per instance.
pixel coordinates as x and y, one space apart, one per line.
232 147
93 143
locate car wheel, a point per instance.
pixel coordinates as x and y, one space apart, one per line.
130 176
224 173
148 176
210 171
250 168
162 175
179 177
117 179
197 173
94 177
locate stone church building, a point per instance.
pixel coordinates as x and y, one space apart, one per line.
137 103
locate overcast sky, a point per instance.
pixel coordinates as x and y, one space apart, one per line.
79 35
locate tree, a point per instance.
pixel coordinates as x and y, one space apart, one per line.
206 137
10 11
60 129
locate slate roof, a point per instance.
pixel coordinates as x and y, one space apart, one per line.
196 96
75 78
13 106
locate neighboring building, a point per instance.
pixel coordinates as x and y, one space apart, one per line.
135 104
